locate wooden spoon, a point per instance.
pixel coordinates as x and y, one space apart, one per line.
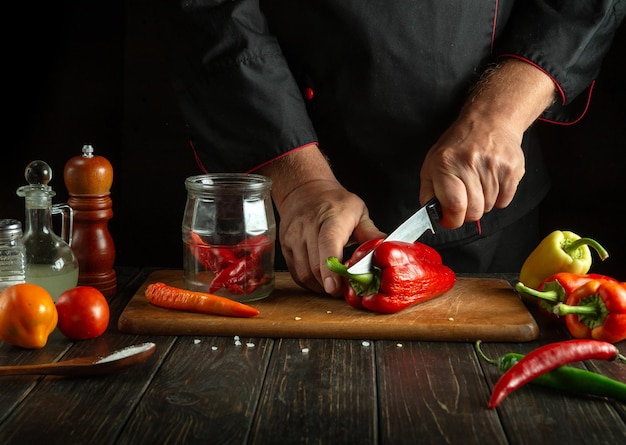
92 365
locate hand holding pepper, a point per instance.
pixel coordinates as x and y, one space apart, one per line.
404 274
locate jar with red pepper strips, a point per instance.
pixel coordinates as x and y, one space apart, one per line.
229 234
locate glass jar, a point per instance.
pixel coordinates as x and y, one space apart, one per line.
12 253
50 261
229 235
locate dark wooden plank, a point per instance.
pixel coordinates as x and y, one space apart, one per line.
15 389
318 391
83 410
206 392
431 392
615 370
534 414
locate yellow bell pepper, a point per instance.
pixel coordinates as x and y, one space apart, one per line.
560 251
27 315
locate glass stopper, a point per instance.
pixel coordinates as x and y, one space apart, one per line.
38 172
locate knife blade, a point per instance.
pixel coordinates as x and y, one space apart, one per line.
409 231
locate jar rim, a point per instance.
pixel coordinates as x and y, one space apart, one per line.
228 181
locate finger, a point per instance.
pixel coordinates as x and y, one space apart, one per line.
366 230
508 188
332 241
296 253
452 196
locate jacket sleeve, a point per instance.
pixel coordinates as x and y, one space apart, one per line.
567 40
240 102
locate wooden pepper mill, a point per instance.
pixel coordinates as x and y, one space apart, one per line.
88 180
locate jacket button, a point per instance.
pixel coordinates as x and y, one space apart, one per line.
309 93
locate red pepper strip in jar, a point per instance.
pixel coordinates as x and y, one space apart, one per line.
556 288
238 268
213 258
548 358
596 310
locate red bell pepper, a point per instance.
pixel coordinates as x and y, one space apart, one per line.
556 288
596 310
404 274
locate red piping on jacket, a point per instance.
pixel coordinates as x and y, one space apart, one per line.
280 156
523 59
495 25
197 158
205 171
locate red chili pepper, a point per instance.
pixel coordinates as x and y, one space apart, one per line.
548 358
556 288
404 274
596 310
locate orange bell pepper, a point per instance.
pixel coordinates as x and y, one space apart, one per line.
596 310
27 315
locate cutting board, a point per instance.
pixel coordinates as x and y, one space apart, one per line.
475 308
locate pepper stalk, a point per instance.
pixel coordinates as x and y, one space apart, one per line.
364 283
597 309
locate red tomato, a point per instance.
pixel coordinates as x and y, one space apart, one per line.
83 313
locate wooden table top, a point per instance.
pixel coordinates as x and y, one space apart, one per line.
215 390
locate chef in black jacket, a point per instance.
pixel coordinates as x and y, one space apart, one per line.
361 110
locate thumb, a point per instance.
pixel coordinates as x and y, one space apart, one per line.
366 230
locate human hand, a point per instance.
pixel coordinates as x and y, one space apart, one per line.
478 162
474 167
317 220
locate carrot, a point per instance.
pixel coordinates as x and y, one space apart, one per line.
160 294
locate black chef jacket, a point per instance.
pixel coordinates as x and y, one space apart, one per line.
375 83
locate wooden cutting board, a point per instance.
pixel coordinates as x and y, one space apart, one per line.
475 308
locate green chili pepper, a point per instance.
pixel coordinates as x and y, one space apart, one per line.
565 378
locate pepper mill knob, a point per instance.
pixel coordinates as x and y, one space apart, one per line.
88 179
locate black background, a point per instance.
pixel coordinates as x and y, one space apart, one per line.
89 73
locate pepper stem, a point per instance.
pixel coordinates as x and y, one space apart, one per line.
334 265
548 295
484 357
563 309
602 253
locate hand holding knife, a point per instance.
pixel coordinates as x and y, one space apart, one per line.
409 231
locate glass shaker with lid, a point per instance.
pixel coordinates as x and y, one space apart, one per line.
50 262
12 253
229 234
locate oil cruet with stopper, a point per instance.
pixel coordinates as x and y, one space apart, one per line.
50 262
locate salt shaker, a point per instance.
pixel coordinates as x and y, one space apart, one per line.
12 253
88 179
229 234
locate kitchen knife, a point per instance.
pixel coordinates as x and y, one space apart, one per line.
409 231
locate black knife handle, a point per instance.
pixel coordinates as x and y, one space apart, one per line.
434 210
